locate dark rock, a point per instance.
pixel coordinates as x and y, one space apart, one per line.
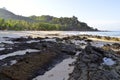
33 63
116 46
69 49
89 65
25 68
4 77
88 40
19 39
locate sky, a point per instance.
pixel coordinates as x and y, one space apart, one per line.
101 14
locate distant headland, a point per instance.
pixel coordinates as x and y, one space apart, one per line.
11 21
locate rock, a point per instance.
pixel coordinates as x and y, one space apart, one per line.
89 65
116 46
4 77
69 49
24 69
19 39
88 40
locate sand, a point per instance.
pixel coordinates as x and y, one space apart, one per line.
108 41
59 72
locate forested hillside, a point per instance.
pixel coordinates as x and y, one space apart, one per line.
10 21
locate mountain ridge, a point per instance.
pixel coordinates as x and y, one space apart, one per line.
5 14
53 23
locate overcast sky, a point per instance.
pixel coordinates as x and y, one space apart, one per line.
101 14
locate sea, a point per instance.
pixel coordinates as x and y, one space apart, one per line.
15 34
100 33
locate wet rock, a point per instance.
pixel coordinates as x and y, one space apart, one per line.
116 46
1 45
88 40
4 77
89 65
19 39
58 39
24 69
69 49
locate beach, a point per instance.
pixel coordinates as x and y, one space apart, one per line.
51 55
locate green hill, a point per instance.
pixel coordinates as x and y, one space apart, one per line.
11 21
69 23
5 14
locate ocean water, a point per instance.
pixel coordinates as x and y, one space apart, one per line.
15 34
110 33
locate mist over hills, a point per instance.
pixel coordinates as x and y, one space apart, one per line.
44 22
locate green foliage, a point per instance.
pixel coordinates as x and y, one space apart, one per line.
24 25
10 21
45 23
66 23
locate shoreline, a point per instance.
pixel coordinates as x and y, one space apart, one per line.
111 41
59 32
50 47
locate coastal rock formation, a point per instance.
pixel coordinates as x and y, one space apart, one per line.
18 63
96 64
115 47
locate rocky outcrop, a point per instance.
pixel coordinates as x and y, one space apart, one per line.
24 67
92 63
115 47
96 64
